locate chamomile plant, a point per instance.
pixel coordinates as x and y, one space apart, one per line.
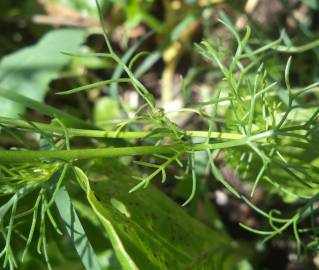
269 135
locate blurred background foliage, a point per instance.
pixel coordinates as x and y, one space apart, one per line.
34 32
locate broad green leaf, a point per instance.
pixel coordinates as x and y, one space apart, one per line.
23 101
311 3
75 230
30 70
105 111
147 229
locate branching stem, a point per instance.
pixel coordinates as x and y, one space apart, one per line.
73 132
11 156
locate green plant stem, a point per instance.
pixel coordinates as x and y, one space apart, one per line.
298 49
12 156
73 132
75 154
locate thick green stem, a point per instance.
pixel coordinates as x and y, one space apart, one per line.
73 132
12 156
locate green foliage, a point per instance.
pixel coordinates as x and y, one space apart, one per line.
105 111
30 70
287 160
148 230
75 230
84 7
266 129
311 3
